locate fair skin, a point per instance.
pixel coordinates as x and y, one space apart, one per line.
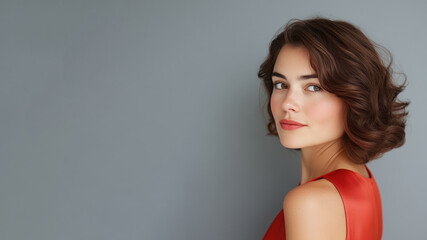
313 210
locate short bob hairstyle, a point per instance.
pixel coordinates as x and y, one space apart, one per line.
347 65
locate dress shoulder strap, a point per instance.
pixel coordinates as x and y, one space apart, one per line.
362 203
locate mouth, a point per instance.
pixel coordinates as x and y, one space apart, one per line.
290 125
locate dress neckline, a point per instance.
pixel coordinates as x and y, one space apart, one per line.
344 169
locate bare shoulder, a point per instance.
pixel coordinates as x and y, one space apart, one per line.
314 210
313 192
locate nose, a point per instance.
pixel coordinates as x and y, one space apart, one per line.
290 103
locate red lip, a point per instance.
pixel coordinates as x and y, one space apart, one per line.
290 122
290 125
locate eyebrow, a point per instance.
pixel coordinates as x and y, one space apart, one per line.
302 77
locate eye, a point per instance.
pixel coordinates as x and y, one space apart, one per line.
314 88
280 85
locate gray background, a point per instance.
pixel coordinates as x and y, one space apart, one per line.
141 119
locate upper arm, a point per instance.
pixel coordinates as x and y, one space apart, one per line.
314 211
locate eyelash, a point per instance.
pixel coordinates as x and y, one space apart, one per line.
311 85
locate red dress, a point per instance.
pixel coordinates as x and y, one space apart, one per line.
362 204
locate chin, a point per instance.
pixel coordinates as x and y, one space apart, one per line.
292 144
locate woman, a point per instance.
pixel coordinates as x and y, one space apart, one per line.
331 96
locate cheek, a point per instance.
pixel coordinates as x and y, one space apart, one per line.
275 105
326 113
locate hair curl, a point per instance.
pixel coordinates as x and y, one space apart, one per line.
348 66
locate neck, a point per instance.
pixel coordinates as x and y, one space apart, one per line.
321 159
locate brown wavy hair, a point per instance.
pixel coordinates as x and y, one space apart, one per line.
349 66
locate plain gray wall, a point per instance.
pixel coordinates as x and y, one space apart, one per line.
140 119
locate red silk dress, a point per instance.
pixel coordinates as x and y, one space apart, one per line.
362 204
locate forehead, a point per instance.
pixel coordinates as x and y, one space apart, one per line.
293 59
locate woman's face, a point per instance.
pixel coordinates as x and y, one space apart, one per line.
297 96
